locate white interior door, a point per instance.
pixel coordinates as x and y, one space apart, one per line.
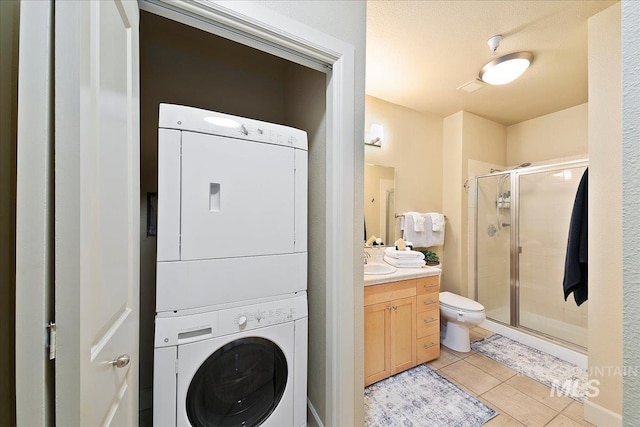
97 204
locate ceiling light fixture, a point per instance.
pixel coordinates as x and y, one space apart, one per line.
505 69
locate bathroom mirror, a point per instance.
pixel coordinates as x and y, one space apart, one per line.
379 202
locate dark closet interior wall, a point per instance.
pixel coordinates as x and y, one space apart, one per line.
183 65
9 23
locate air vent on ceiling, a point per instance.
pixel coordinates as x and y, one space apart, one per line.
472 86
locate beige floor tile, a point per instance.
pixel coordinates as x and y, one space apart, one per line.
482 331
518 405
467 390
446 358
490 366
562 421
471 377
575 412
539 392
473 336
502 420
459 354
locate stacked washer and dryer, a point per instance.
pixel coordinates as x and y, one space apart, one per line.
231 303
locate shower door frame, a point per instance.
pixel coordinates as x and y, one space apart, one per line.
514 243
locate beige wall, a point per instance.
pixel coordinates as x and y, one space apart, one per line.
552 136
9 15
467 137
452 140
413 146
605 207
483 141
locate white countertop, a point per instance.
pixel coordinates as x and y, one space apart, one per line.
401 274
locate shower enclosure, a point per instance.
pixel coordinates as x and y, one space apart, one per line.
522 221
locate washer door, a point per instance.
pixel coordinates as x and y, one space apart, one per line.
238 385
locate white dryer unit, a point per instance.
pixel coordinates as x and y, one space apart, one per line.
240 366
232 209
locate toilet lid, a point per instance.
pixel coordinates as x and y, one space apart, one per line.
458 302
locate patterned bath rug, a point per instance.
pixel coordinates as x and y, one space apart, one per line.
420 397
563 377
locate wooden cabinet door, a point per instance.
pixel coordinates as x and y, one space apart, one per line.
377 342
403 334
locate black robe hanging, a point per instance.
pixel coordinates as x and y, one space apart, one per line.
575 264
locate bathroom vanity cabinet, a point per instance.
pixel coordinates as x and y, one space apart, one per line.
401 326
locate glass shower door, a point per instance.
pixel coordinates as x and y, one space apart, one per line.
545 203
493 245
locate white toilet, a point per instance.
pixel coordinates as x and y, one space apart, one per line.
461 314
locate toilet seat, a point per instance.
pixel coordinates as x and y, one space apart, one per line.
459 303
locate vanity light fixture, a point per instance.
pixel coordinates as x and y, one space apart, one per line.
376 135
507 68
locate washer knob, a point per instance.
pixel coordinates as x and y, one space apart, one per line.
242 321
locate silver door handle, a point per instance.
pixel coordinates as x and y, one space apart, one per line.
121 361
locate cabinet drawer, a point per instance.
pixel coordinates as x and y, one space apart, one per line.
428 301
376 294
427 284
428 348
428 322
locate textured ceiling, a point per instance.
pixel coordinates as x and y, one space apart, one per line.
419 52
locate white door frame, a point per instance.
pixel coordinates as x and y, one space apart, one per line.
251 24
34 216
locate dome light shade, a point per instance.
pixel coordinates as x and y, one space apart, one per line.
506 69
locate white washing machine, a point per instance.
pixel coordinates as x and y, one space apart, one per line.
232 210
244 365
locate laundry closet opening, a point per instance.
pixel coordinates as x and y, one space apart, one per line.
183 65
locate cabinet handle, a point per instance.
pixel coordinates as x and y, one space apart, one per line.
395 307
429 346
433 319
429 286
430 302
389 308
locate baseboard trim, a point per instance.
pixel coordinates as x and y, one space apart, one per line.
600 416
552 348
313 419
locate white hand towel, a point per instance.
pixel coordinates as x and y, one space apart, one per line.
422 239
393 253
437 221
418 221
404 263
410 234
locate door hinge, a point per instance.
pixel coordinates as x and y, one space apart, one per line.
51 326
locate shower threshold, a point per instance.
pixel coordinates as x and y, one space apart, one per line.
561 349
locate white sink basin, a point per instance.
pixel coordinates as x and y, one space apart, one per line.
376 268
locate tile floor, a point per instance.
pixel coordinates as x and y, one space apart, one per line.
519 400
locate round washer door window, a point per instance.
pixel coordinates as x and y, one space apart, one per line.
239 385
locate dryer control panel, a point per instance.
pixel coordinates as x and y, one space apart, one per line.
260 315
171 331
